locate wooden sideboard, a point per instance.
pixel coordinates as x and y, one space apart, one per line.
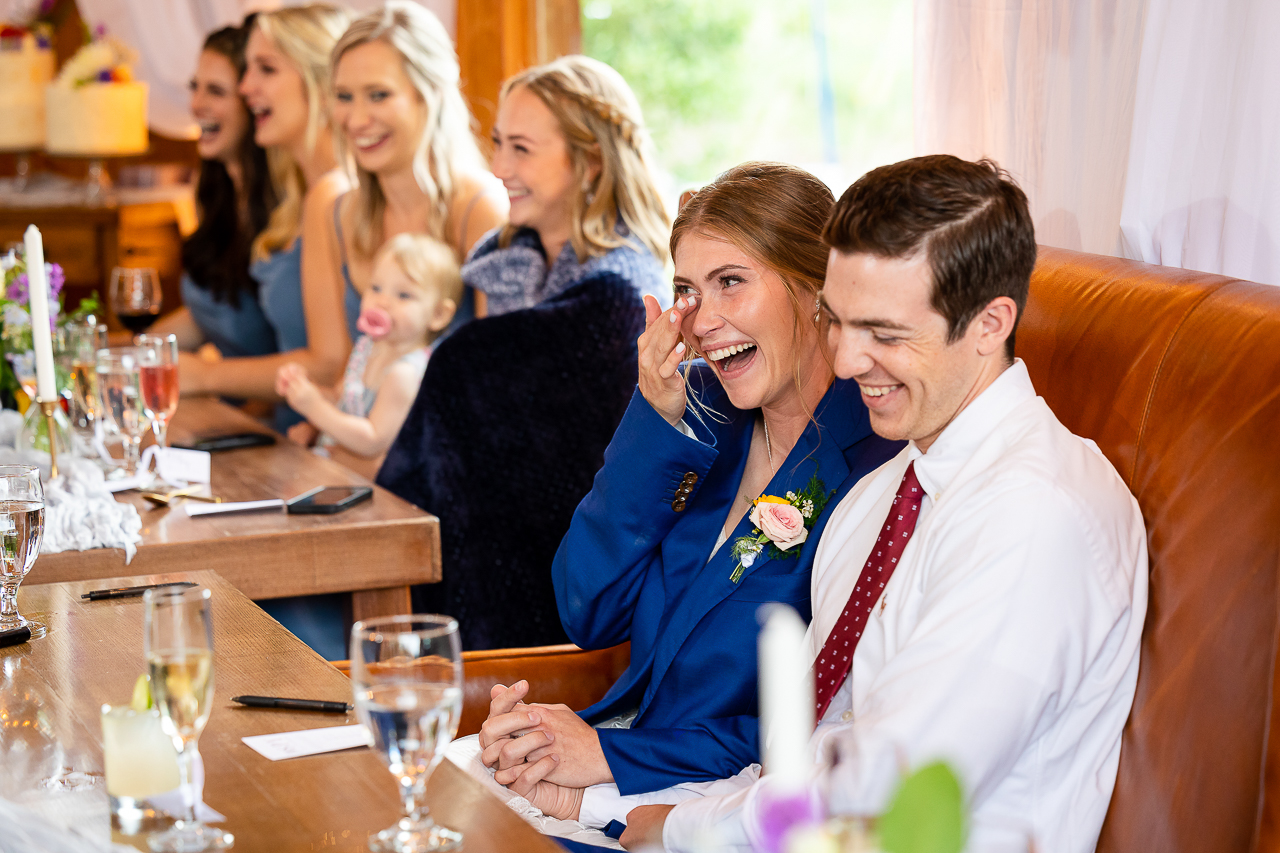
130 227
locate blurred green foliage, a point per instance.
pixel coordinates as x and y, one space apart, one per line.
723 81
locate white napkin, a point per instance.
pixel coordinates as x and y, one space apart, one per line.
81 513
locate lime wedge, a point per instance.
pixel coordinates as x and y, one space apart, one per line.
141 699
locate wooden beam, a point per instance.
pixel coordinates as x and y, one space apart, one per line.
498 38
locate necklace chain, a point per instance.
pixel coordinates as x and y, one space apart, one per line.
768 445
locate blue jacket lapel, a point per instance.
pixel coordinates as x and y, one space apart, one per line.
819 451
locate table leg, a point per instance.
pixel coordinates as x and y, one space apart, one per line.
390 601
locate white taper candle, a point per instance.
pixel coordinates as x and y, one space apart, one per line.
38 300
786 696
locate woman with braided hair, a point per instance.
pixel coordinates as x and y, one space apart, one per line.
569 144
515 410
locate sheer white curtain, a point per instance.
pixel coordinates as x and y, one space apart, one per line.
1144 128
1203 187
1044 88
168 35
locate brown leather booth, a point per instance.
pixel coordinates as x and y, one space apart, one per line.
1176 376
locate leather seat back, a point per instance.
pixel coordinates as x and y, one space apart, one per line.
1176 375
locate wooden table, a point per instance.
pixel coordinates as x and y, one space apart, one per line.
375 550
51 691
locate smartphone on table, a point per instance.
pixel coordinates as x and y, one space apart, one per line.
326 500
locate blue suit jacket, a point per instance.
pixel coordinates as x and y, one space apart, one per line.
633 568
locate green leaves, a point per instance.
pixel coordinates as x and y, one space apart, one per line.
926 815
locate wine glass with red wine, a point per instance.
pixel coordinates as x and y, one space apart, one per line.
135 297
158 377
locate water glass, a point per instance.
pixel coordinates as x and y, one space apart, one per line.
120 389
75 350
178 638
406 676
136 297
21 530
158 375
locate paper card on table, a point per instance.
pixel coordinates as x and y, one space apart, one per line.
194 509
309 742
177 465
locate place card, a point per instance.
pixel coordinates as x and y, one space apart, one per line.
309 741
195 509
182 466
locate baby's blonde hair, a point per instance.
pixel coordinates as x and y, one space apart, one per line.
429 264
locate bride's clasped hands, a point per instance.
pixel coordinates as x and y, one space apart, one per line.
544 753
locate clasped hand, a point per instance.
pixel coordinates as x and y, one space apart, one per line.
545 753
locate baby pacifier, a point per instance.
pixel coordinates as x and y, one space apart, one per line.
374 322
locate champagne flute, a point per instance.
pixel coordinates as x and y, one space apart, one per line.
158 376
178 640
135 297
21 529
119 383
406 675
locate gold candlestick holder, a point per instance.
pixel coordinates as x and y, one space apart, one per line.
48 408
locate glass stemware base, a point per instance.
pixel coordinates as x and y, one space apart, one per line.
415 835
185 837
38 629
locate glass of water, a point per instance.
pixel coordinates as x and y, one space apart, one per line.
21 529
406 675
123 412
178 640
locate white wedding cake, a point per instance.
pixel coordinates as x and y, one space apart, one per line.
95 108
26 67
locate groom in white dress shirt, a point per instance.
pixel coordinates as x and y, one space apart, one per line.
1003 637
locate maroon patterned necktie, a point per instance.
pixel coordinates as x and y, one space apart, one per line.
834 661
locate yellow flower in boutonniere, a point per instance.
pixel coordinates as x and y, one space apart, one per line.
780 524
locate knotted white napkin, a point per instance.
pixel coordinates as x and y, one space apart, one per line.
81 513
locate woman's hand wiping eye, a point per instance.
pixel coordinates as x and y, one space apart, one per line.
661 351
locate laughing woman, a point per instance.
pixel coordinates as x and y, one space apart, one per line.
403 132
667 551
286 84
220 299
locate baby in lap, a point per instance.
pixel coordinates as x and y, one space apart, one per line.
411 298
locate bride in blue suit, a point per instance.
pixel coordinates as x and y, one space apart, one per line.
678 543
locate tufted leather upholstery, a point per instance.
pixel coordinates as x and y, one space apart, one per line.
1176 376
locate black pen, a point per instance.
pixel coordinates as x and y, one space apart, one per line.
131 591
15 636
293 704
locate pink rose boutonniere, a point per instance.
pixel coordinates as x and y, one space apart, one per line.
780 525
